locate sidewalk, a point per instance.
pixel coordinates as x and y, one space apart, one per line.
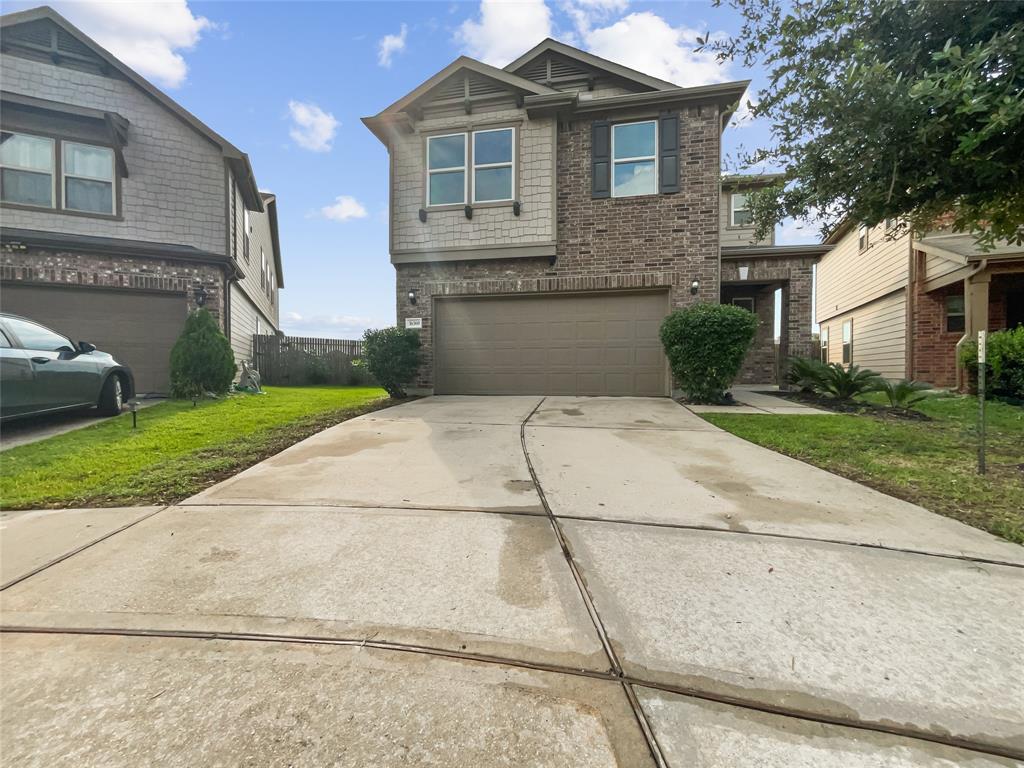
752 399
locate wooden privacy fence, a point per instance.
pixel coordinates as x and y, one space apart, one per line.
297 360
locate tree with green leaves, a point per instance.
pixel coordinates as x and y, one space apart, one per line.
910 109
201 359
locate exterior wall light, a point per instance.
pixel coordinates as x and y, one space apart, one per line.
200 295
744 271
694 286
412 296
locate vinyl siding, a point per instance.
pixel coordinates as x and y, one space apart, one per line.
243 324
936 266
879 335
259 237
846 279
731 235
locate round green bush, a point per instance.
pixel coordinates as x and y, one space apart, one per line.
201 359
392 355
705 345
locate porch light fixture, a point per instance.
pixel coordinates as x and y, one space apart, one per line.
694 286
200 295
412 296
744 271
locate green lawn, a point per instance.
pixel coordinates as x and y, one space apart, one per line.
176 451
931 463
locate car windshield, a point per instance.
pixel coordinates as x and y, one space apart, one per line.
35 336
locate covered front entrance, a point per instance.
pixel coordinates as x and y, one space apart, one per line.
551 344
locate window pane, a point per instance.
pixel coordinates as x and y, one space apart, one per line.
92 196
27 188
636 140
446 151
493 184
956 323
492 147
94 162
634 179
34 336
954 305
742 218
26 151
447 188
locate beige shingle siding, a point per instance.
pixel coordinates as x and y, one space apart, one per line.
490 226
848 278
731 235
879 335
260 236
175 189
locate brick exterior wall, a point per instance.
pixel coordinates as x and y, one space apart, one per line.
51 267
602 244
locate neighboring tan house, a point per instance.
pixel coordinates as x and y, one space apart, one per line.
545 217
120 210
899 305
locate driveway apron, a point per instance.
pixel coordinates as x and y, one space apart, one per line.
498 581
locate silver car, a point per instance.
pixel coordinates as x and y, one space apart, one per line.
43 372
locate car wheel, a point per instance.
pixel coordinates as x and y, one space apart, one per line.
112 397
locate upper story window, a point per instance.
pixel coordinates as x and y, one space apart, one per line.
739 208
246 230
26 169
88 178
634 153
493 160
446 169
263 268
863 237
29 168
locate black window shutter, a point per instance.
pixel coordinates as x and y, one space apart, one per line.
601 158
668 152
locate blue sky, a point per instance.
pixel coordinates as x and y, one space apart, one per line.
288 81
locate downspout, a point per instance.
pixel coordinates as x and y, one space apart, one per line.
960 378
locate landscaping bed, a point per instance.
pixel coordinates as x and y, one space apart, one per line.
178 449
864 405
930 462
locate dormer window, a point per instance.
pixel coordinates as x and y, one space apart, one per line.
634 151
446 169
740 210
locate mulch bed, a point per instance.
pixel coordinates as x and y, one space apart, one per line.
850 406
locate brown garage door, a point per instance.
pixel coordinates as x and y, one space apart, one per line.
137 328
564 344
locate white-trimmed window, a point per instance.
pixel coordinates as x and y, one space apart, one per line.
263 268
739 210
847 342
863 237
446 169
493 165
88 173
634 158
26 169
823 340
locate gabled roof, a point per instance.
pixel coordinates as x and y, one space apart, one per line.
238 160
750 180
596 62
464 63
270 202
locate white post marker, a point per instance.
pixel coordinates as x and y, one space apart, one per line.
982 339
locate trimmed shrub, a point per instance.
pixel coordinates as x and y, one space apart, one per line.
806 374
201 359
1004 368
705 345
392 356
846 383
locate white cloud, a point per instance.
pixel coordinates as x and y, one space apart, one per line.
343 208
389 45
506 30
586 13
327 326
312 128
147 36
648 43
799 232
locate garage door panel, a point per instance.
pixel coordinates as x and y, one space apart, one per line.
136 327
587 344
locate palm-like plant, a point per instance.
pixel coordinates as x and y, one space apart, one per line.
805 373
903 394
846 383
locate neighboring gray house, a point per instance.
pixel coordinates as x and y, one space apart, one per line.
120 210
545 217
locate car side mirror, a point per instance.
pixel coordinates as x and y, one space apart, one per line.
84 347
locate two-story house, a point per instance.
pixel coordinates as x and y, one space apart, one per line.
545 217
900 304
120 210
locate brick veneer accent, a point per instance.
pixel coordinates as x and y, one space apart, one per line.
651 241
65 268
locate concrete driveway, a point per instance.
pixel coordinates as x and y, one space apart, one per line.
514 581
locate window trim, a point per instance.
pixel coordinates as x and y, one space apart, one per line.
823 344
947 315
638 158
733 210
848 345
465 168
863 238
474 166
52 173
64 176
57 141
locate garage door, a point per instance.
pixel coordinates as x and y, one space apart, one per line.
564 344
137 328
